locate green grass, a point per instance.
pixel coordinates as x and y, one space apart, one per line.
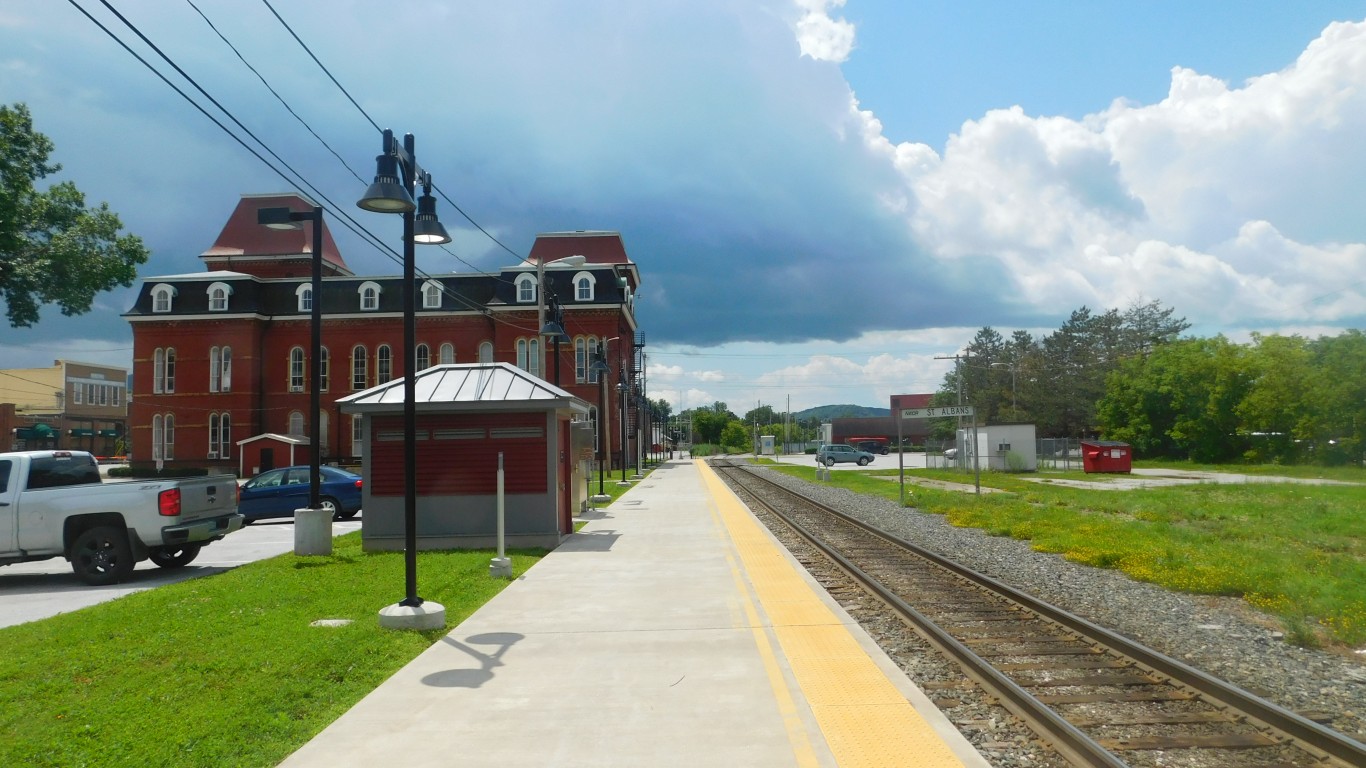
224 669
1295 551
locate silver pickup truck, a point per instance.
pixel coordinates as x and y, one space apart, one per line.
55 504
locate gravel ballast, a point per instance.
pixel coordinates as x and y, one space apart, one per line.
1222 636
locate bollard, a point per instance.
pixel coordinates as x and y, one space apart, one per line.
501 567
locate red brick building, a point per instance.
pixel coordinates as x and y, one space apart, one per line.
222 355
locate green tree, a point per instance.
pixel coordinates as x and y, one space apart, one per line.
1337 419
1275 412
735 437
53 250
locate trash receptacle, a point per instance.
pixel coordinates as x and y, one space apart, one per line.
1106 456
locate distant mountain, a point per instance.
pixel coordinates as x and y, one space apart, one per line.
827 412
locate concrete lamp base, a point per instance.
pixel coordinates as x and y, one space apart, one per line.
601 499
429 615
500 568
312 532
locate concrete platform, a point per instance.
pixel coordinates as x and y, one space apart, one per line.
672 631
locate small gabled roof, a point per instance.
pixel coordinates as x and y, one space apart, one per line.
288 439
475 386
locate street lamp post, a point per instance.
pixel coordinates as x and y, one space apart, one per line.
621 402
601 370
397 175
310 538
553 328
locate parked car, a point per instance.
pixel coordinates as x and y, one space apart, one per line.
55 504
278 492
830 455
872 446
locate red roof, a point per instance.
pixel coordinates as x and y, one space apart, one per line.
595 247
243 237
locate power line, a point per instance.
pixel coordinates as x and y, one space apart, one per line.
285 24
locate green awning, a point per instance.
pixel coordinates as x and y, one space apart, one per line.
82 433
42 430
108 433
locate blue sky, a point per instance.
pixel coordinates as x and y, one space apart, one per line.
822 196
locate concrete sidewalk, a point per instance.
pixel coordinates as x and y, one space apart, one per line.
641 641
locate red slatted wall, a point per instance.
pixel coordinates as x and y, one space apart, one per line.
465 465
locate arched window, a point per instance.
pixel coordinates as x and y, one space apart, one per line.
220 369
529 356
296 369
485 351
584 285
158 370
225 436
384 364
168 373
296 423
158 435
447 353
431 295
324 369
526 289
580 359
168 437
359 375
162 296
357 436
214 437
424 357
304 293
218 297
369 296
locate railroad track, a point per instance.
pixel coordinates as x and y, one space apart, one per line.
1096 697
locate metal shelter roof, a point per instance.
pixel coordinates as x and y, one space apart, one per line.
468 386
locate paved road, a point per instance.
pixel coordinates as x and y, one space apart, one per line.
31 591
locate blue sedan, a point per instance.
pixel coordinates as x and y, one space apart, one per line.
278 492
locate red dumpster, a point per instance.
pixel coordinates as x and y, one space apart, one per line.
1106 456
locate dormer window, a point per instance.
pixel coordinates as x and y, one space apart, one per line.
431 295
218 297
305 295
162 294
526 289
584 285
369 296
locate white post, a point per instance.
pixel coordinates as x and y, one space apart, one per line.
501 566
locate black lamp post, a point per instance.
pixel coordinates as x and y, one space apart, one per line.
622 389
601 370
392 193
554 330
284 219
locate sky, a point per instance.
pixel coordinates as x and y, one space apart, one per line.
824 197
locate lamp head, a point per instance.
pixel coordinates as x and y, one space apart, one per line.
387 194
426 229
277 219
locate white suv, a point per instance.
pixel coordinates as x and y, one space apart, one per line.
830 455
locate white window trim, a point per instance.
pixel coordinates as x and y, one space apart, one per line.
227 296
441 353
300 292
369 285
592 286
522 282
427 302
160 291
302 374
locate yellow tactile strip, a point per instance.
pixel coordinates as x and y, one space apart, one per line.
864 718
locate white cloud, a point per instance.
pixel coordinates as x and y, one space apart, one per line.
821 37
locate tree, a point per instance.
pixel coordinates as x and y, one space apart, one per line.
735 438
53 250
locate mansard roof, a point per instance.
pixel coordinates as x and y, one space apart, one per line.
246 246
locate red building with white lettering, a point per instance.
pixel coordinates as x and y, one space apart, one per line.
221 355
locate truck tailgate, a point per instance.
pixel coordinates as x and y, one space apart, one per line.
202 497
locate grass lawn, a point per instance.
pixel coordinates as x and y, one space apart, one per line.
224 669
1295 551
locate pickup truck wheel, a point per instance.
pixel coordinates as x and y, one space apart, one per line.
175 557
102 556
